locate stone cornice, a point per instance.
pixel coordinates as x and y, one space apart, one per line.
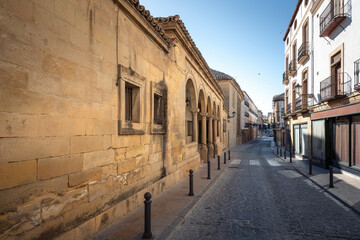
147 19
175 23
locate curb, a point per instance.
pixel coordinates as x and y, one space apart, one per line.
333 195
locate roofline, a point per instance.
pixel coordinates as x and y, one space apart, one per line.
167 24
292 19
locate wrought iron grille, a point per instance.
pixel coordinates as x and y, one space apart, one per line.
337 85
128 104
336 9
288 108
292 66
303 51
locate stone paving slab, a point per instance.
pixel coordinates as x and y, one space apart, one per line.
170 208
346 185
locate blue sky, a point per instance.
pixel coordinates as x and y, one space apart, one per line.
237 37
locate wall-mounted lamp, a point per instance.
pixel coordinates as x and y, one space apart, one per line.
298 89
233 115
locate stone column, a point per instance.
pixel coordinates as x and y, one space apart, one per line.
210 137
195 124
203 148
215 134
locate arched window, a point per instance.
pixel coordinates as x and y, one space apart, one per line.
190 111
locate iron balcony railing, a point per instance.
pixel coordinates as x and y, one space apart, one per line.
357 75
288 109
335 86
285 77
301 103
333 14
282 111
247 103
303 51
292 66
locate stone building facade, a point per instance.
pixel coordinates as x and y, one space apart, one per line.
233 102
99 103
278 113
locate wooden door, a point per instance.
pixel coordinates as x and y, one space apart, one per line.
355 145
339 85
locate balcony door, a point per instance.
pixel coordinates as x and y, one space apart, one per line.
336 83
338 7
304 90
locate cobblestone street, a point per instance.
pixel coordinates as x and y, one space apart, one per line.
262 197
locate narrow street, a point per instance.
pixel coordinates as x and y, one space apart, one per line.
263 197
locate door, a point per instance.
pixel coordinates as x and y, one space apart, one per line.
341 141
339 85
304 139
297 139
355 131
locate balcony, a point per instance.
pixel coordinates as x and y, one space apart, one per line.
292 67
356 75
301 103
285 78
335 86
246 103
282 111
303 52
333 15
247 114
288 109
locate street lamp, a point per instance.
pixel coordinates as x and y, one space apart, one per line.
233 115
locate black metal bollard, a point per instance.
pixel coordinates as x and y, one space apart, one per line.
147 234
331 185
191 176
208 177
280 152
290 152
229 154
277 150
218 162
224 157
310 166
284 153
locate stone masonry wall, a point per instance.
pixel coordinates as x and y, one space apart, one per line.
64 168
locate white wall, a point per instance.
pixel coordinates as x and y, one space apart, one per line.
349 36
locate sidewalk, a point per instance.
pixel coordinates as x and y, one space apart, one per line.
170 208
346 185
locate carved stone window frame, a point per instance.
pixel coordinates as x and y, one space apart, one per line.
127 75
160 90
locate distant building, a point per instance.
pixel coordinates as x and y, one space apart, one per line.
233 98
278 113
251 119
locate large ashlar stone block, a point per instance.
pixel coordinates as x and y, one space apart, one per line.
81 144
99 158
32 148
16 174
13 76
20 101
59 166
126 166
13 197
22 9
84 177
58 66
18 125
65 10
73 89
45 83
